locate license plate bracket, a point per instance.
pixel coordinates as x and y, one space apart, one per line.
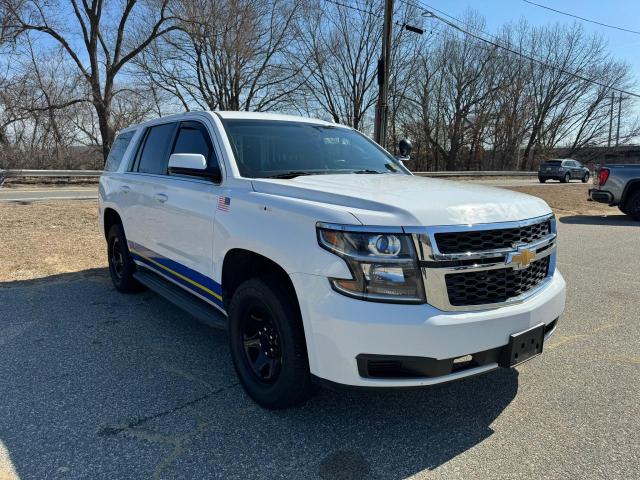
523 346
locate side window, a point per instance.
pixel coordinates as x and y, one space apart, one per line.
154 155
117 151
193 137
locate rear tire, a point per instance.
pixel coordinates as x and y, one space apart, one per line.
632 205
121 265
267 344
585 178
542 180
566 178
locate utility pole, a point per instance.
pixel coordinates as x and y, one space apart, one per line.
613 96
619 115
382 107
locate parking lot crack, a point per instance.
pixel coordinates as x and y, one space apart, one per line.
112 430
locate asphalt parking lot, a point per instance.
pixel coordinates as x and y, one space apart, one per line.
95 384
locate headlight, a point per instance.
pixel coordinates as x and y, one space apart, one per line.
383 265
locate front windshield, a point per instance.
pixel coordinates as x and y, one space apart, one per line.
280 149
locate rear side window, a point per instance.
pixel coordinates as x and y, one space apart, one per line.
154 155
117 151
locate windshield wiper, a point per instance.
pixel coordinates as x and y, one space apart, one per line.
367 171
292 174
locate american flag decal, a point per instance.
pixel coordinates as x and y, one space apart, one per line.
224 203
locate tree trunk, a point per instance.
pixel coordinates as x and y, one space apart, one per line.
106 131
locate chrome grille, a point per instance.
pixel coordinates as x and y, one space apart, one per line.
494 286
462 242
473 267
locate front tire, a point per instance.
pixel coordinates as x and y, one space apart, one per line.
542 180
267 344
585 178
121 265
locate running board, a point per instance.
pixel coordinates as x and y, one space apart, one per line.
200 309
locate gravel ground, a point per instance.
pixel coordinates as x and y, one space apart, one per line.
568 199
42 239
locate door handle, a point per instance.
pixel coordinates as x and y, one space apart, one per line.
125 188
161 197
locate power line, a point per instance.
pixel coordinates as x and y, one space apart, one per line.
406 26
515 52
582 18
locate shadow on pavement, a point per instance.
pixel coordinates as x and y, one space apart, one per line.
100 384
610 220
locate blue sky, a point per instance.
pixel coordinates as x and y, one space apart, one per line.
623 13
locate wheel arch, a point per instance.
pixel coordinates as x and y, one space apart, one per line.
240 264
110 217
630 188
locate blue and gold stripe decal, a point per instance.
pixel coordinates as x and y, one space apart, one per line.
184 276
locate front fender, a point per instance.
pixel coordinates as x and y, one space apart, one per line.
281 229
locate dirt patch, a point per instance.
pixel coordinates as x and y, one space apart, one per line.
568 199
42 239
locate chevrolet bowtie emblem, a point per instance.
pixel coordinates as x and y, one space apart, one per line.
522 258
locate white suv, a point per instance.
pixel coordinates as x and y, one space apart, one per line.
323 257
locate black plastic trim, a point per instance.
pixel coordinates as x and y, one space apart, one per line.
410 367
601 196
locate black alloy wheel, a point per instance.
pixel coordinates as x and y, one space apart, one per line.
116 258
261 341
267 342
121 265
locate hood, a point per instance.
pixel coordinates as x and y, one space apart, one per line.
405 200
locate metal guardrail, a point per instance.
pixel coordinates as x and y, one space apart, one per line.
97 173
4 174
477 173
51 173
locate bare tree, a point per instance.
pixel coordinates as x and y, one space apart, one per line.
111 36
228 55
339 49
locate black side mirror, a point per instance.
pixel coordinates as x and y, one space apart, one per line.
404 147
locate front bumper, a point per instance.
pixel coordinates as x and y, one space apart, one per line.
339 329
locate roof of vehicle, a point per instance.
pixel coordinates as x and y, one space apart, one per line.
229 115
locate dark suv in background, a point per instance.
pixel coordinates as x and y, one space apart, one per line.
563 170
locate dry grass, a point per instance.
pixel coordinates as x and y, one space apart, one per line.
568 200
42 239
